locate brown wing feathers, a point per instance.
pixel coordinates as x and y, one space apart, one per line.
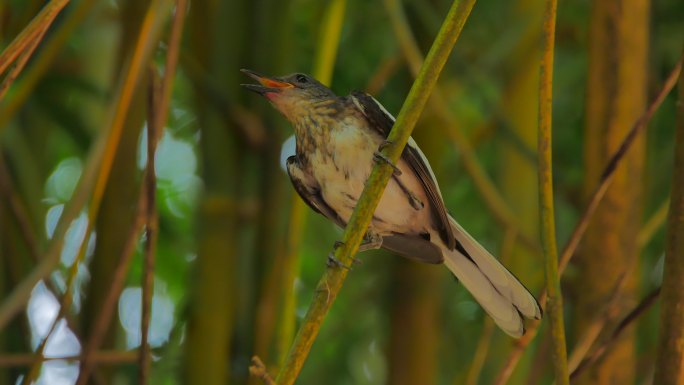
379 119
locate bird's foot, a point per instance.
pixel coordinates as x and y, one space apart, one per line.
372 241
378 157
333 261
384 144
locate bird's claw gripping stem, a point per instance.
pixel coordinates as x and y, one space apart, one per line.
333 261
378 156
371 241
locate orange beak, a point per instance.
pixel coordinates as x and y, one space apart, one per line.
267 84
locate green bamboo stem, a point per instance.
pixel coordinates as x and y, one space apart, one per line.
669 368
546 209
490 194
333 278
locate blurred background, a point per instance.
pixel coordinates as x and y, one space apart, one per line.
221 263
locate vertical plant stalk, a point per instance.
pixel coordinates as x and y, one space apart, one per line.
160 99
669 368
151 226
581 225
324 65
324 62
333 278
546 209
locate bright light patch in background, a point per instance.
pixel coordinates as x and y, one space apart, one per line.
176 170
161 322
42 310
58 189
61 184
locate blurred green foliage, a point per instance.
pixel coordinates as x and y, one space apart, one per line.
46 142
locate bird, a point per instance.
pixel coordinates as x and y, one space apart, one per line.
338 139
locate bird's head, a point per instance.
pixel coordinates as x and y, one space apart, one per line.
293 95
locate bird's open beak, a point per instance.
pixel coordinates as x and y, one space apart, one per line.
266 85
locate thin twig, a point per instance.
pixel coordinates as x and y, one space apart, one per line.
160 100
580 227
51 47
37 27
602 318
151 228
609 170
644 305
19 64
331 282
258 369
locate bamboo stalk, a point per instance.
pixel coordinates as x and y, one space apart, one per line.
332 280
669 368
490 195
546 208
581 225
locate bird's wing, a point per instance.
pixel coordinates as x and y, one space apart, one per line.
381 120
305 186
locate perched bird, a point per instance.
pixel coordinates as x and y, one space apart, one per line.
337 142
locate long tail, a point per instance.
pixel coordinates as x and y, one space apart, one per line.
499 292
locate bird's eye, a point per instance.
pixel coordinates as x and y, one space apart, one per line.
302 78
